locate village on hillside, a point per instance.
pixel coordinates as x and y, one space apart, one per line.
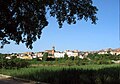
58 54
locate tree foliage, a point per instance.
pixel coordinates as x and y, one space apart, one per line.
13 63
22 21
65 56
45 56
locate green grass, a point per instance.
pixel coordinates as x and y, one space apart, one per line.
84 74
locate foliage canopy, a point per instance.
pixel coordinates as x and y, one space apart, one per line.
23 20
45 56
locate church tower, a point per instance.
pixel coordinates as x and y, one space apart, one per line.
53 50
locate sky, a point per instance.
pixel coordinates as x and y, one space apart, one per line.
82 36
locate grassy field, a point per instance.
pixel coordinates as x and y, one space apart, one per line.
84 74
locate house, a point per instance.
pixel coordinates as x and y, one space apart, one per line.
85 54
102 52
115 52
26 57
39 54
81 56
58 54
8 57
28 53
72 53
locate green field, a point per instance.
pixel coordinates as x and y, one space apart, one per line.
98 69
84 74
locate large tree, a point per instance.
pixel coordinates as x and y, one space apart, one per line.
23 20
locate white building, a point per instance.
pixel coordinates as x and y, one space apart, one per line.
39 54
8 57
114 52
80 56
102 52
59 54
72 53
